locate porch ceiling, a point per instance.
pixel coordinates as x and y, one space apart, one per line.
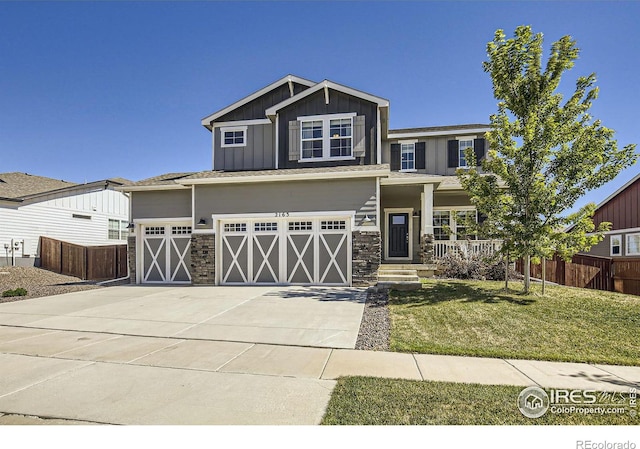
400 191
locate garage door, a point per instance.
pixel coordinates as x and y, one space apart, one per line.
166 254
292 251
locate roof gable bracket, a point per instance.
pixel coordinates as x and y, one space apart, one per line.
290 82
326 93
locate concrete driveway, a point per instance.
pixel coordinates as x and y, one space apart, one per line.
175 355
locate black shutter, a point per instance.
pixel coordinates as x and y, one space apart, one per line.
478 147
453 156
395 156
421 148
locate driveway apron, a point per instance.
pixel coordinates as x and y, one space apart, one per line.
176 355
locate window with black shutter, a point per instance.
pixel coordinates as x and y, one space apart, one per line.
395 156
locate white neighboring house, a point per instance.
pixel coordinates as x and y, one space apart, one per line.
33 206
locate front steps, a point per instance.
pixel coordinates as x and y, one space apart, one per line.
404 276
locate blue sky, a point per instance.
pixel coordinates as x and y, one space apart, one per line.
103 89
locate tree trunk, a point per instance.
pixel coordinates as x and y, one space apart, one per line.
527 273
544 273
506 272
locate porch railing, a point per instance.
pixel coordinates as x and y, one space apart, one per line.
465 247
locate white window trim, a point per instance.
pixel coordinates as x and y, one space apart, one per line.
408 142
627 252
227 129
453 219
465 139
611 245
123 231
326 137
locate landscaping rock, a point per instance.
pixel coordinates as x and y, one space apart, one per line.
375 325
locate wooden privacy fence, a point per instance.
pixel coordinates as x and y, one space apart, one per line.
583 271
96 263
626 276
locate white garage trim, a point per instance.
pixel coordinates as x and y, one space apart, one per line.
297 248
163 252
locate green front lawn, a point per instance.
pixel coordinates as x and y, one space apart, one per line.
365 400
478 318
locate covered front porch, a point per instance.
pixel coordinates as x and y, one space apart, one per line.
422 220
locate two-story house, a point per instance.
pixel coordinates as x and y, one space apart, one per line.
308 186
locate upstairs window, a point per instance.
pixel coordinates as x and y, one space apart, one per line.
407 156
234 137
462 147
340 137
312 139
326 137
456 148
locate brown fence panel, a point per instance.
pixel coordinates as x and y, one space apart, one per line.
589 272
121 261
627 276
101 262
51 254
583 271
96 263
74 260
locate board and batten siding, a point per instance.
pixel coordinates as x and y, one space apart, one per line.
358 195
623 211
339 103
52 216
161 204
255 108
436 157
258 154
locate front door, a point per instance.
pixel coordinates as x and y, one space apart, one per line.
398 230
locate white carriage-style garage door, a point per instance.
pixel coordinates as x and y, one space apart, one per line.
166 253
302 251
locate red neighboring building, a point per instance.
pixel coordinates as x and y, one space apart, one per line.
622 210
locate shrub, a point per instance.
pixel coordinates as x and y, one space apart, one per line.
468 265
15 292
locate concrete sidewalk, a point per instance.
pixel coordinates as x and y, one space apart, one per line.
168 355
101 378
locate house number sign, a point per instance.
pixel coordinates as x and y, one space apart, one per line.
282 214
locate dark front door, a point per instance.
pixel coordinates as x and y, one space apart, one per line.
398 230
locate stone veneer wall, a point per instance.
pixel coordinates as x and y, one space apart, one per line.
131 257
366 254
427 248
202 267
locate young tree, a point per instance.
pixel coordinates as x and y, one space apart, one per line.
543 154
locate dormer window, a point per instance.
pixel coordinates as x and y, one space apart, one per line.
234 136
326 137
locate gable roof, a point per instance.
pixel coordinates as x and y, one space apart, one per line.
289 78
382 102
16 185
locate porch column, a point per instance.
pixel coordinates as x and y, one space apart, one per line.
426 234
427 209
